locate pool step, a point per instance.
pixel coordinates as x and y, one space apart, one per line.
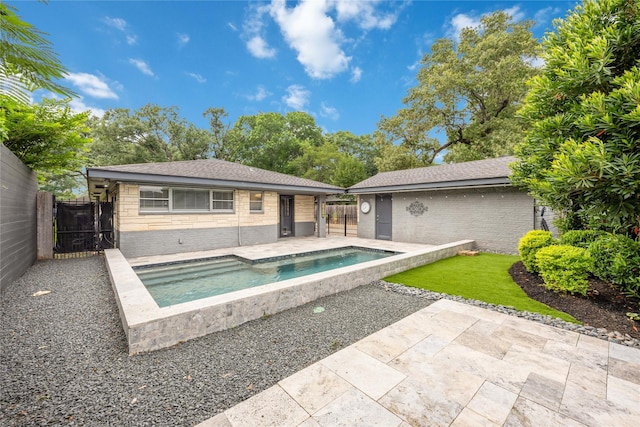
176 276
181 267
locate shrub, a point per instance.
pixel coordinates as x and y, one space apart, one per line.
580 238
617 260
530 243
565 268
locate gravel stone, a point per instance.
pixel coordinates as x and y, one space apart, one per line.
64 361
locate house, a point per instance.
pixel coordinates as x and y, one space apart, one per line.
195 205
439 204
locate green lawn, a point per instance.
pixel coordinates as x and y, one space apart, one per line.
484 277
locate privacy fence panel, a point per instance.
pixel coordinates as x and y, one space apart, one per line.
18 195
342 220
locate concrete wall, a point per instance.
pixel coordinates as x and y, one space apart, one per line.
496 218
163 242
18 196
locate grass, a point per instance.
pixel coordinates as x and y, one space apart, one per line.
484 277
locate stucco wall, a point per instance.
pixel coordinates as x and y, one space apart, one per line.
496 218
18 196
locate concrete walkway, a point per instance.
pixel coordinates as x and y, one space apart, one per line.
459 365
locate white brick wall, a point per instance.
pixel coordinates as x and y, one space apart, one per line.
496 218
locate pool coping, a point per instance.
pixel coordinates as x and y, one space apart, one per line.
149 327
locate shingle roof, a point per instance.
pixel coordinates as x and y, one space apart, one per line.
479 172
201 171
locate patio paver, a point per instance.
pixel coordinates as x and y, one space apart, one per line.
432 368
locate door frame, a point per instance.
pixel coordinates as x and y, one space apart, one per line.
286 205
380 199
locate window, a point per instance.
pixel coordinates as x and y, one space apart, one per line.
154 199
179 200
255 201
186 199
222 200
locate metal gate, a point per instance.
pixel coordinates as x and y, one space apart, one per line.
81 225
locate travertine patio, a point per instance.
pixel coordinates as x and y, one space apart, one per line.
459 365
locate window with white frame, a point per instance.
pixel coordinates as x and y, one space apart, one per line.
255 201
154 199
162 199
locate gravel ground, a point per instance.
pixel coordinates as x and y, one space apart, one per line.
64 359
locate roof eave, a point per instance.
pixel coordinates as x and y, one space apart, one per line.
449 185
183 180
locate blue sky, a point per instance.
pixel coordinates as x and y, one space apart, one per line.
345 62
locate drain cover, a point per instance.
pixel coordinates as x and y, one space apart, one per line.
318 310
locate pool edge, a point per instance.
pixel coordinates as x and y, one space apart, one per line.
149 327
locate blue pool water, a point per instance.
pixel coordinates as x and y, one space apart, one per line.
177 283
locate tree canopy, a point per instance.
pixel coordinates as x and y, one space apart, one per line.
28 61
47 137
581 155
467 94
149 134
272 140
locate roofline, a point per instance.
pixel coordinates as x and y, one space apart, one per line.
183 180
467 183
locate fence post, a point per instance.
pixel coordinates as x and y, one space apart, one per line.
345 224
44 227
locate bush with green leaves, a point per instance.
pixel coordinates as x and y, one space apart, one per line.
580 238
565 268
581 153
530 243
617 260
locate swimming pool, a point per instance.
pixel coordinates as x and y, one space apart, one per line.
177 283
149 327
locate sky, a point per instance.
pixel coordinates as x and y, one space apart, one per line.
345 62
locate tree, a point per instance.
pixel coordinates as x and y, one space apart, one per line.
150 134
392 157
326 163
360 147
272 141
581 155
27 61
467 94
221 145
47 137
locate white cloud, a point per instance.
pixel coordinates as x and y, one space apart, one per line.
78 106
183 39
462 21
261 93
233 27
297 97
365 14
356 74
259 48
309 31
515 13
142 66
545 15
197 77
121 25
330 112
91 85
536 62
254 33
117 23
